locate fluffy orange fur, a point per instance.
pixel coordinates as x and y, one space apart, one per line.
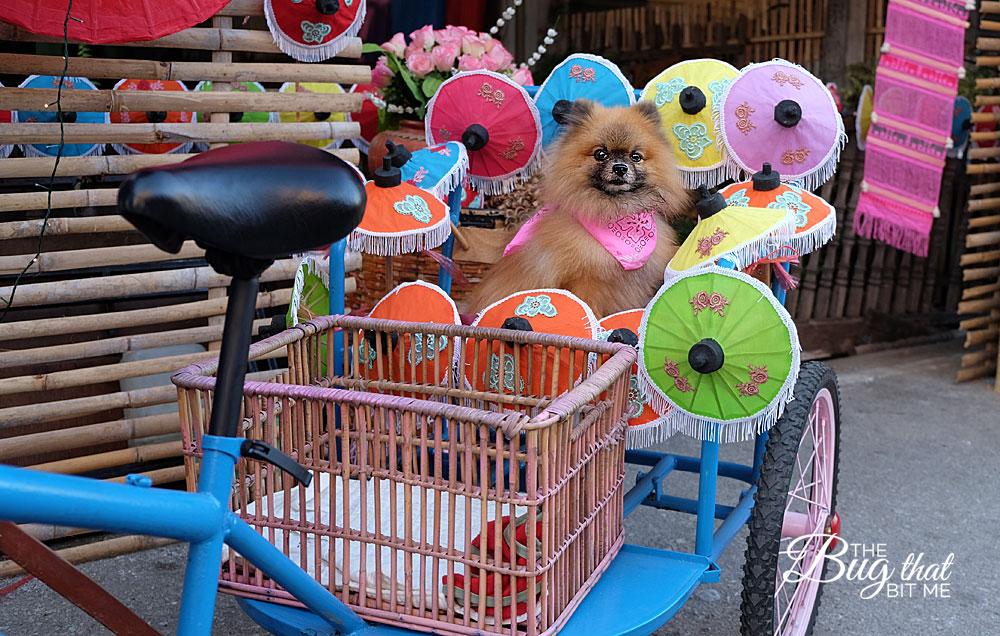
561 253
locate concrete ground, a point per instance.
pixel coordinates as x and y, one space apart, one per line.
918 474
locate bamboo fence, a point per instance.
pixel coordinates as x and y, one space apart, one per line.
980 305
98 291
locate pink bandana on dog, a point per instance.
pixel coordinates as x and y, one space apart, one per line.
631 239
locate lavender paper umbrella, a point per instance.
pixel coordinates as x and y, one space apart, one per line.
778 113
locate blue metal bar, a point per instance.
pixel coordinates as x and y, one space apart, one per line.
708 478
729 470
80 502
201 577
336 297
292 578
455 210
727 531
648 484
690 506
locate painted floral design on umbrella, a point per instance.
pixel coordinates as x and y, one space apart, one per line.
491 115
726 375
738 234
778 113
686 95
579 76
314 31
41 117
151 117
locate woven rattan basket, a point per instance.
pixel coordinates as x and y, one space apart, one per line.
431 488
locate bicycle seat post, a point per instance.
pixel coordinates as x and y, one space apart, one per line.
233 357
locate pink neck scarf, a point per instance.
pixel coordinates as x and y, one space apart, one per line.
631 239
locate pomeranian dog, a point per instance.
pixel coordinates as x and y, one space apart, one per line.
609 182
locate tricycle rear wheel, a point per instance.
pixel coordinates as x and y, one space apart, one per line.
796 497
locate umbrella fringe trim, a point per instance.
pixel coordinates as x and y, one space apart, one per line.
726 431
645 435
304 53
493 186
29 150
713 176
296 301
399 243
815 238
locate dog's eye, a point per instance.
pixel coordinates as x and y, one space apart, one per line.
636 156
601 154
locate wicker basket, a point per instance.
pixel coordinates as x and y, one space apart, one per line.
445 496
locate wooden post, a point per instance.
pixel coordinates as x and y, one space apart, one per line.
844 39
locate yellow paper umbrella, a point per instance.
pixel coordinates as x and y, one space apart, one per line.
741 235
863 121
686 94
400 218
304 117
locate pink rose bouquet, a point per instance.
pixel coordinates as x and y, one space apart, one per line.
409 73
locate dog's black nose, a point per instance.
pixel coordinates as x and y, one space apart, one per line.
620 169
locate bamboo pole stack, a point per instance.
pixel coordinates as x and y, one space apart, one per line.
98 291
980 306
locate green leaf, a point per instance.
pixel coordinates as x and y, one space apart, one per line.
371 47
402 71
430 86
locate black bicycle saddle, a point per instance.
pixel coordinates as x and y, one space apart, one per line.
261 200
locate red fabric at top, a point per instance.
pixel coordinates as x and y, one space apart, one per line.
109 21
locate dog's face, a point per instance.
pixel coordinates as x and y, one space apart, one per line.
613 161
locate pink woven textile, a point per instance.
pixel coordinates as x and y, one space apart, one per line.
915 88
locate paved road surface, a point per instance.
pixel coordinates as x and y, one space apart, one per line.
918 473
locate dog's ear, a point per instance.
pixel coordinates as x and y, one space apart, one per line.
648 110
582 109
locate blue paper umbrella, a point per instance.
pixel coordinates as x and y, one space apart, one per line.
961 126
438 169
579 76
42 117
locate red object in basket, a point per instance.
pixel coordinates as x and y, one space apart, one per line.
109 21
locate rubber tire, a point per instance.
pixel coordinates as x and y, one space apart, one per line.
763 542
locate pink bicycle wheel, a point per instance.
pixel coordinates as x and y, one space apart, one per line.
794 512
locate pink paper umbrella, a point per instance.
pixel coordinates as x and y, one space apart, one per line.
497 122
778 113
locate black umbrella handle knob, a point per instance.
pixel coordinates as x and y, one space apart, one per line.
321 116
624 336
328 7
787 113
706 356
68 117
767 179
156 116
475 137
692 100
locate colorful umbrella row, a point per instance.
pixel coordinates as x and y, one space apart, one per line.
137 117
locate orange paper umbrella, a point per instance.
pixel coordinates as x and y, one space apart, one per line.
411 358
815 219
150 117
645 426
530 370
400 218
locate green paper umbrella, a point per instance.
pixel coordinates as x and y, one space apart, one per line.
718 348
310 291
